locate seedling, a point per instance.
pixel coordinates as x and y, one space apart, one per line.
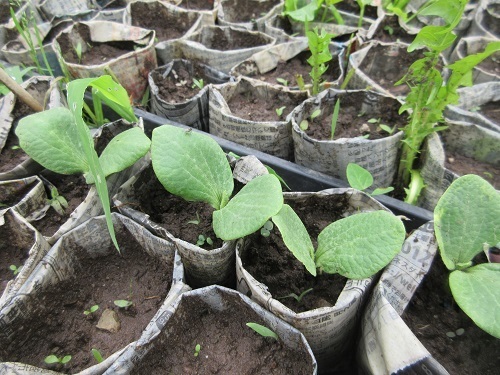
300 82
304 124
265 231
320 54
466 219
335 117
361 179
389 29
262 330
198 83
297 298
196 221
202 239
384 127
279 111
123 303
97 355
92 310
15 270
78 51
52 359
193 166
283 81
197 349
57 202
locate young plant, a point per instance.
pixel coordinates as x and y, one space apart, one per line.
304 124
123 303
361 179
335 117
265 231
296 297
320 54
466 220
193 166
59 140
97 355
202 240
384 127
15 270
53 359
56 201
197 349
282 81
279 111
198 83
262 330
91 310
430 92
79 50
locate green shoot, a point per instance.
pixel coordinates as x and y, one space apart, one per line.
97 355
262 330
51 359
300 82
304 124
362 6
361 179
16 74
298 298
320 54
196 221
389 29
57 202
91 310
283 81
202 240
335 117
279 111
384 127
265 231
15 270
78 51
123 303
197 349
198 83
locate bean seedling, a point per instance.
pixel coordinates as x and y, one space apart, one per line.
123 303
262 330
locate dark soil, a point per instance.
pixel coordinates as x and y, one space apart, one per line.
197 4
5 11
14 248
250 106
463 165
174 213
389 31
59 325
351 123
351 6
246 10
11 195
238 39
491 64
166 24
491 110
271 263
432 313
490 22
115 4
179 86
227 345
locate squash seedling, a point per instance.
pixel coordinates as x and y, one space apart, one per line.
193 166
466 220
263 330
361 179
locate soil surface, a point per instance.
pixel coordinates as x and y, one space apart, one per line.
491 110
179 85
432 314
174 213
245 10
5 11
463 165
352 123
351 6
227 345
60 327
197 4
10 196
238 39
491 64
389 31
166 24
271 263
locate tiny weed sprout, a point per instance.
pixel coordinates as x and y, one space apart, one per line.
197 349
196 221
265 231
15 270
92 310
56 201
297 298
78 51
198 83
389 29
97 355
361 179
279 111
52 359
384 127
262 330
466 217
283 81
335 117
202 240
123 303
320 54
193 166
304 124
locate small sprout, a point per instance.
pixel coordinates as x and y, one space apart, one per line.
488 174
315 114
389 29
335 117
15 270
361 179
195 221
97 355
123 303
265 231
51 359
15 147
78 51
57 202
283 81
263 331
304 124
279 111
198 83
197 349
202 239
296 297
387 128
300 82
92 310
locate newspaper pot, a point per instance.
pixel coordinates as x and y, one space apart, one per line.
207 9
486 71
193 110
476 105
220 47
283 61
269 133
110 10
12 110
131 69
466 140
379 156
388 29
280 27
24 250
203 267
486 18
144 273
197 318
71 9
249 14
26 196
330 328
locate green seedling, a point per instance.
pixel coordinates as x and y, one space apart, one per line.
193 166
123 303
335 117
300 82
361 179
52 359
466 219
304 124
79 51
262 330
202 240
15 270
196 221
92 310
97 355
265 231
320 54
279 111
384 127
297 298
198 83
197 349
56 201
389 29
283 81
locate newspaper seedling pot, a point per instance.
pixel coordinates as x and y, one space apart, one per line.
205 331
387 29
247 112
329 325
176 80
250 15
485 22
72 9
21 250
379 156
84 269
207 9
131 61
22 196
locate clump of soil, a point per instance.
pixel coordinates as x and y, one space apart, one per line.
271 263
227 345
432 313
463 165
58 325
246 11
238 39
179 86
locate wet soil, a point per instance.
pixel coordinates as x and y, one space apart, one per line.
227 345
58 325
179 85
238 39
463 165
245 10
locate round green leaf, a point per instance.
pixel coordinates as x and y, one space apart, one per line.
358 177
477 291
360 245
